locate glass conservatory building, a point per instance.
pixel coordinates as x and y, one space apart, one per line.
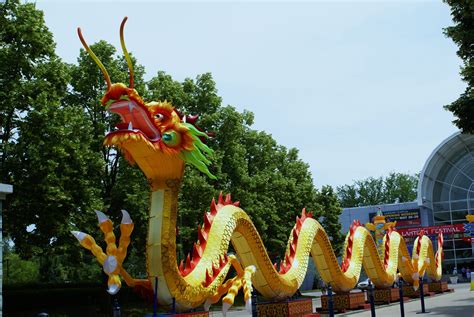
446 193
445 197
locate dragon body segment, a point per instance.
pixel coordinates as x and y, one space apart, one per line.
160 141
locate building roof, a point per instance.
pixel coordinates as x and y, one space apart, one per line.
448 173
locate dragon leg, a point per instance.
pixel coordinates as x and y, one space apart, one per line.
243 280
113 257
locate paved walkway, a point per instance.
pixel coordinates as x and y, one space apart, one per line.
457 304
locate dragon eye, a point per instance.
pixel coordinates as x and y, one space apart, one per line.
159 116
171 138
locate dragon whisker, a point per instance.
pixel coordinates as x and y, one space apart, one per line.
95 58
125 52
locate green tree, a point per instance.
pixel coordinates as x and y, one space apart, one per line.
462 12
28 66
396 187
16 270
43 143
330 212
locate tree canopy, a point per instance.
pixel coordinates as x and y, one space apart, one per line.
52 127
396 187
462 12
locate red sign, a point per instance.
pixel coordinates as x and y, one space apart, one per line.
446 229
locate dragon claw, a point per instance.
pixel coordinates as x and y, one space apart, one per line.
126 219
225 308
248 305
207 304
113 289
79 235
113 257
101 216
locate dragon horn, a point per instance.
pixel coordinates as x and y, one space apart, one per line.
125 52
95 58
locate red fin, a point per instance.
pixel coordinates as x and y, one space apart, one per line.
292 250
220 200
208 279
207 222
201 237
222 262
197 252
228 199
215 271
213 207
295 235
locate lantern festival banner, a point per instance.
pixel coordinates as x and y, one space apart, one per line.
445 229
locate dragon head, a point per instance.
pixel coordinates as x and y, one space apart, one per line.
153 135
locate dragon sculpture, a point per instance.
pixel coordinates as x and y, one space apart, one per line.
378 228
161 141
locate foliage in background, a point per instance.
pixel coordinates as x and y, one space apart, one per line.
51 151
462 12
17 270
396 187
330 212
44 147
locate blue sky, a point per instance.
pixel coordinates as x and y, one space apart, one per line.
357 87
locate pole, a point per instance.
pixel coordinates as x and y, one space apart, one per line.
254 303
400 291
330 301
115 306
371 298
155 298
422 298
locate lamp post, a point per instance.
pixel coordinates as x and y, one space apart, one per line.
5 189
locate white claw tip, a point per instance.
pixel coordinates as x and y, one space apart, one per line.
101 216
415 276
427 260
113 289
126 220
79 235
225 308
248 305
207 304
404 259
416 257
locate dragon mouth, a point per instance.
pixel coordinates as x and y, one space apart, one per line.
135 120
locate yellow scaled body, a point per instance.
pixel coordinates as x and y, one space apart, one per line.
160 141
